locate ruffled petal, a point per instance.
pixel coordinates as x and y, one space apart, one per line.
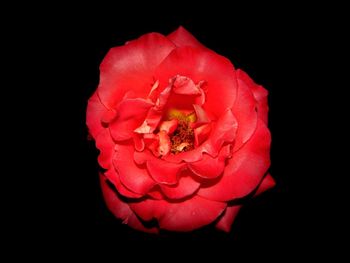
179 216
245 113
181 37
185 187
260 94
133 177
164 172
113 177
130 68
95 111
200 65
226 220
122 210
244 170
210 167
105 144
130 114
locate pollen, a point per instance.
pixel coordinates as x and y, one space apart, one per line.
182 140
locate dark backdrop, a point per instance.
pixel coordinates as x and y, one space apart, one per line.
273 45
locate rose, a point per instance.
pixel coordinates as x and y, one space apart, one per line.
181 134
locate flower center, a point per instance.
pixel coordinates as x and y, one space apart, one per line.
182 139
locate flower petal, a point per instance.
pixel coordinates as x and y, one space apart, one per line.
164 172
245 113
179 216
226 220
131 176
210 167
113 177
130 68
95 111
185 187
120 209
105 144
267 183
244 170
260 94
181 37
201 65
130 114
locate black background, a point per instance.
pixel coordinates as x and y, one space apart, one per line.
274 45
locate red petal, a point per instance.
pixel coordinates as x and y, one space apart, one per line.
131 113
185 86
267 183
95 111
244 170
244 111
179 216
260 94
225 222
164 172
130 68
181 37
105 144
131 176
185 187
122 210
201 65
169 126
201 114
201 134
210 167
113 177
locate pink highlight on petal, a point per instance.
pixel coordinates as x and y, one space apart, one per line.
164 143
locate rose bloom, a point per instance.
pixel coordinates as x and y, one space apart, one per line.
182 134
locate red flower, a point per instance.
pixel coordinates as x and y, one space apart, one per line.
181 133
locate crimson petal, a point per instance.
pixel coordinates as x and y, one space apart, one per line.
201 65
244 170
94 113
131 176
113 177
164 172
267 183
226 220
130 114
105 144
181 37
122 210
260 94
179 216
185 187
130 68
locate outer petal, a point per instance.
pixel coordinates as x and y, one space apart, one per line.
267 183
185 187
181 37
245 113
231 212
182 216
120 209
113 177
95 111
260 94
244 170
201 65
130 114
105 144
135 178
131 67
226 220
